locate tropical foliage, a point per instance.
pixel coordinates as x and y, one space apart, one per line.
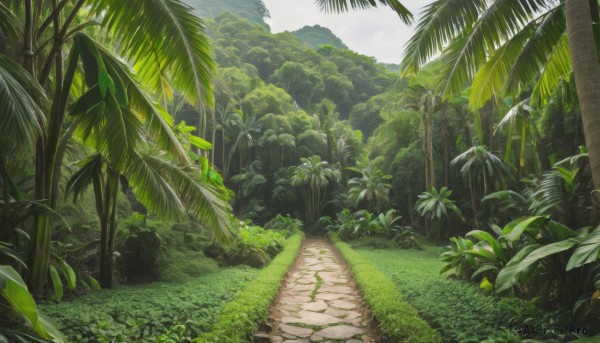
136 139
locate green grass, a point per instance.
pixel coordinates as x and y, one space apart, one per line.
398 319
460 311
318 284
151 312
240 318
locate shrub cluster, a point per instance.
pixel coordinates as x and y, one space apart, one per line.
254 246
398 319
239 318
363 224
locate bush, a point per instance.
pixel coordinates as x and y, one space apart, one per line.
254 246
363 226
142 252
397 318
240 318
284 224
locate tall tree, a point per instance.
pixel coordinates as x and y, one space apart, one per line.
584 55
314 176
502 45
163 41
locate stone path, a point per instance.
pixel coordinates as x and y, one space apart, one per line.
318 301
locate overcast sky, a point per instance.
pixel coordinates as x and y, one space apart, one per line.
375 32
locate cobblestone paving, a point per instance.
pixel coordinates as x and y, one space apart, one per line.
317 302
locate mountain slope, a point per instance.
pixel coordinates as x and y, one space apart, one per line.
316 35
253 10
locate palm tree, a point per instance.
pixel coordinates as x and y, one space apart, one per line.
521 119
371 189
241 129
500 46
434 206
164 187
43 34
483 171
314 176
423 101
584 55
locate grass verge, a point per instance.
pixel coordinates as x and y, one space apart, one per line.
398 319
239 318
459 310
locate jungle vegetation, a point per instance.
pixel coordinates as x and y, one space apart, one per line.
136 137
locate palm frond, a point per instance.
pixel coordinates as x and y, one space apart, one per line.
558 65
10 25
500 20
440 22
331 6
177 38
151 186
491 77
21 106
90 167
199 197
157 120
535 53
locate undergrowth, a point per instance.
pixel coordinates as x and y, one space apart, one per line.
157 312
460 311
397 318
240 318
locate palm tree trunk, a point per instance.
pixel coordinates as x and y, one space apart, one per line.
584 58
112 230
429 128
28 33
446 137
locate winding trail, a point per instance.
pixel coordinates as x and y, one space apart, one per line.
319 302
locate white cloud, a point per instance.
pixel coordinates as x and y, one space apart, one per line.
375 32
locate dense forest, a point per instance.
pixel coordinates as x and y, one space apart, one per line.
146 153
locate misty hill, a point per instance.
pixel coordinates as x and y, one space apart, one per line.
253 10
316 35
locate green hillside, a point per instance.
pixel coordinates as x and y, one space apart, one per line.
253 10
316 35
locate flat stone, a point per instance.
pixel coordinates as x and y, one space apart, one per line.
334 277
306 281
328 296
296 331
315 338
338 289
294 293
296 341
312 318
298 299
353 315
300 288
340 332
342 304
336 312
292 307
285 313
316 268
316 306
